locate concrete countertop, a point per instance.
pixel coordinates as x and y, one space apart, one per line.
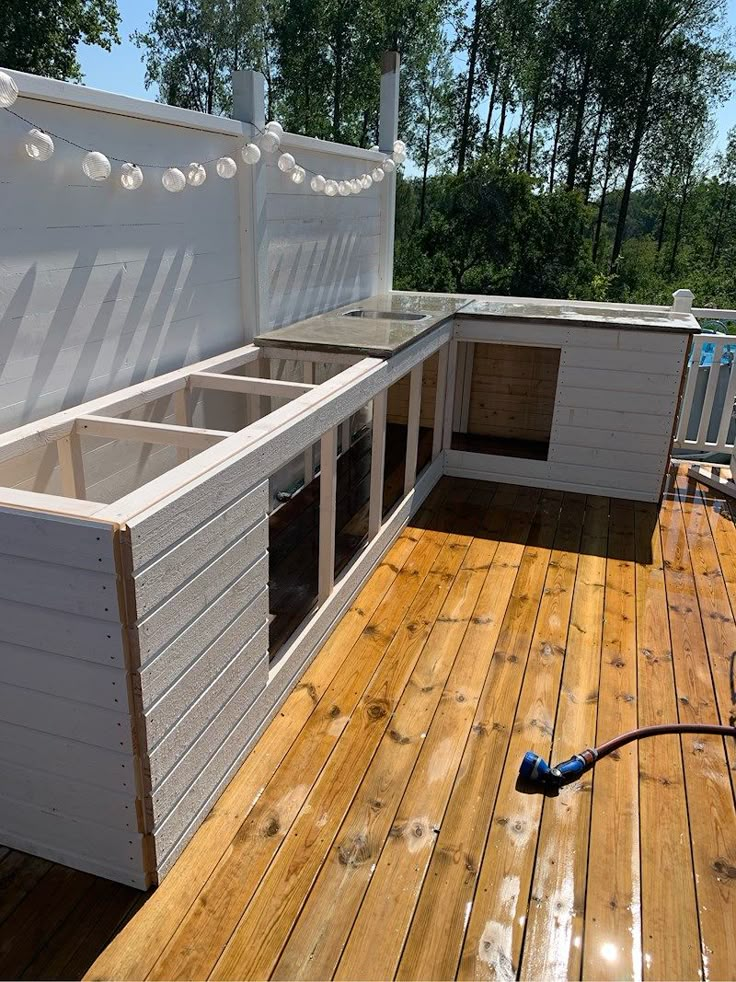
334 332
627 317
384 337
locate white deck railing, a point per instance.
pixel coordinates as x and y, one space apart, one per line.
706 423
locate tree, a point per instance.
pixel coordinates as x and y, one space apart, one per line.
192 47
42 38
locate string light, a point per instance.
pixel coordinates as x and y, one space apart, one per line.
250 153
173 180
39 146
196 175
8 90
226 168
131 177
96 166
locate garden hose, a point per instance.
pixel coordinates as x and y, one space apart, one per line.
537 775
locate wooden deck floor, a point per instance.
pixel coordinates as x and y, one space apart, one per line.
376 830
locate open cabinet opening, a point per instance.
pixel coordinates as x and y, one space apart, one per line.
509 399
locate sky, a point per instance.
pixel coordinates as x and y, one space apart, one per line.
121 69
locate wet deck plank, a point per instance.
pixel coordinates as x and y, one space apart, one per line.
561 621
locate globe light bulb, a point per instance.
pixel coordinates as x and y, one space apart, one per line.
275 127
343 189
355 186
318 183
298 175
398 157
96 166
196 174
39 145
8 90
377 175
250 153
330 188
388 165
366 181
226 167
173 180
131 177
286 162
374 148
270 141
399 146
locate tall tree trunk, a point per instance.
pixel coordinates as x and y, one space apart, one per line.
662 226
722 213
491 104
558 127
501 126
572 161
532 127
641 121
337 101
594 151
601 207
472 57
678 224
425 165
520 138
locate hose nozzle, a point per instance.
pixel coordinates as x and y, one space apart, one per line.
537 774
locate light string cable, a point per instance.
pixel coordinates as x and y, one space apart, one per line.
39 146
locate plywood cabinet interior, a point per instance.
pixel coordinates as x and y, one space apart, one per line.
512 391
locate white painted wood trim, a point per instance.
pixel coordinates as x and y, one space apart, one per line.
71 466
708 400
83 97
464 399
327 513
248 386
249 105
388 127
449 407
439 400
183 416
378 463
412 426
308 373
191 437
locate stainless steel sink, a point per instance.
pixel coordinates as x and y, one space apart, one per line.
386 315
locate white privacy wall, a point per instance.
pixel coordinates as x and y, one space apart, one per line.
101 288
322 252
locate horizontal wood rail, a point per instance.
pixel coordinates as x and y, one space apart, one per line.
247 385
191 437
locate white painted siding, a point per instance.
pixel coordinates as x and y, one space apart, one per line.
68 781
198 588
322 252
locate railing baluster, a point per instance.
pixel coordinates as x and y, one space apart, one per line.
412 426
378 461
687 399
327 514
727 409
710 393
309 452
439 399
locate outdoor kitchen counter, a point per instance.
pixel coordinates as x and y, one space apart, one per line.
367 334
618 316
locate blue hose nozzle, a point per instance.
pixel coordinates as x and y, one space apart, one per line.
536 773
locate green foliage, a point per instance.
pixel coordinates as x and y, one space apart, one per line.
42 38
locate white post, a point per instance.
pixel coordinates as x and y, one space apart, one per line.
327 514
309 452
682 301
388 131
378 463
439 400
412 426
249 106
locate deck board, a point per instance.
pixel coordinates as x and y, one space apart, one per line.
376 830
